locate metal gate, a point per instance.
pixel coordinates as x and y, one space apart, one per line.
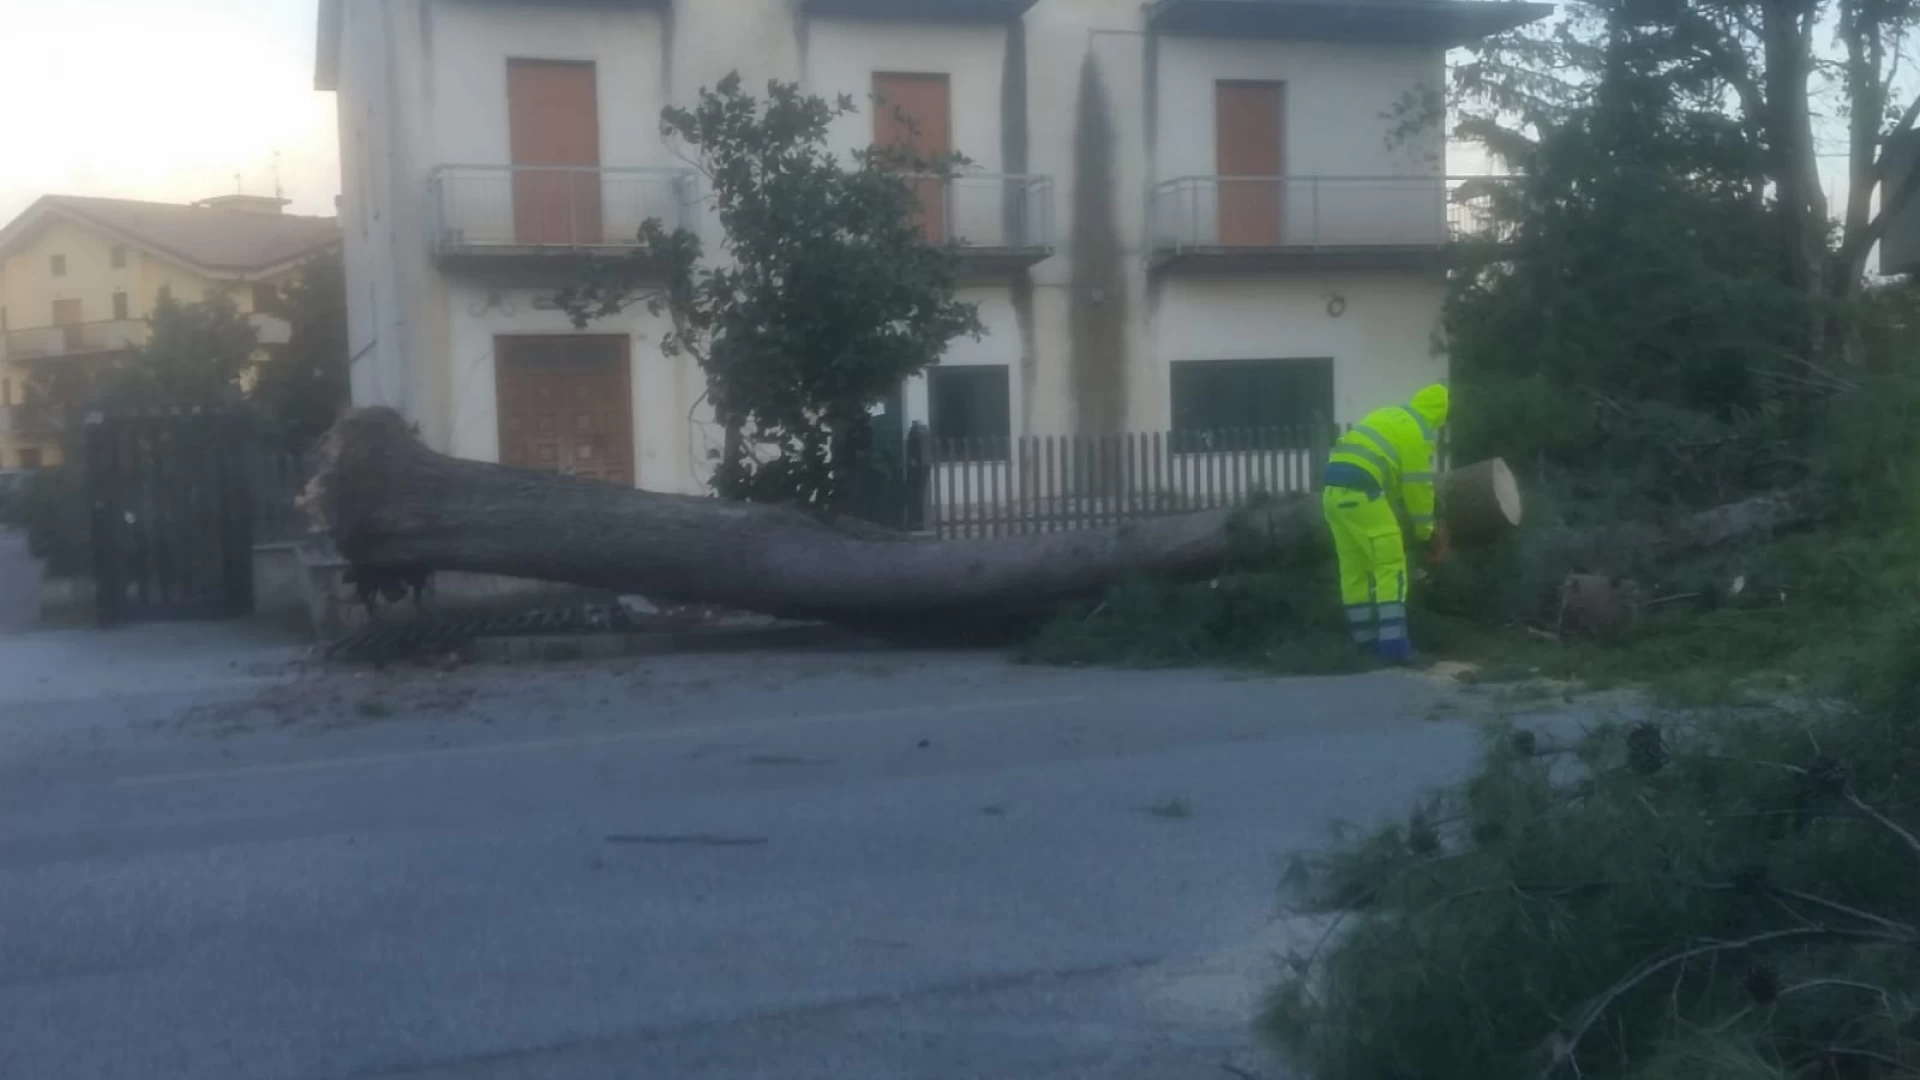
172 521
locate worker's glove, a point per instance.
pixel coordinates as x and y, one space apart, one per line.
1440 546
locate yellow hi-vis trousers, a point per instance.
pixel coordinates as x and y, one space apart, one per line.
1373 569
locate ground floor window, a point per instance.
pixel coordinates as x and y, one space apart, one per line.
970 412
1251 404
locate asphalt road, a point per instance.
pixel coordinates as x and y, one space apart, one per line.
840 866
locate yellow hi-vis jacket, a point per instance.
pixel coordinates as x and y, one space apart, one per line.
1395 447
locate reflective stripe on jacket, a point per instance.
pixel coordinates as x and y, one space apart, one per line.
1395 446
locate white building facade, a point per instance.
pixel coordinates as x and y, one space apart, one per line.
1181 216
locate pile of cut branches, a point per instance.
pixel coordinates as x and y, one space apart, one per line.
1735 895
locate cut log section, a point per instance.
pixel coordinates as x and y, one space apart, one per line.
1480 502
1599 608
398 509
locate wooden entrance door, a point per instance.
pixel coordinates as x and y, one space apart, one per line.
1247 126
916 112
566 405
553 117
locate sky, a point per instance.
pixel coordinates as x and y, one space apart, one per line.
163 99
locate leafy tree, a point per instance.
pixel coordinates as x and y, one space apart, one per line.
194 355
1751 76
300 392
826 296
1667 310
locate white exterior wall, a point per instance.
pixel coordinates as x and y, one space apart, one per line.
843 56
363 106
999 345
670 454
1380 329
1337 100
439 98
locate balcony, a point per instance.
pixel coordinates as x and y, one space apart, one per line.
503 212
1295 222
998 223
270 329
32 419
75 340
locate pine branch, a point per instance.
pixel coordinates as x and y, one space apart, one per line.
1561 1047
1912 841
1851 912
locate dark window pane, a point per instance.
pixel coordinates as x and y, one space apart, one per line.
970 403
1269 403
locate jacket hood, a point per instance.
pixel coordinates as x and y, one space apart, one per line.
1431 403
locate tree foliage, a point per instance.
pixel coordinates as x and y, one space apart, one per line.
299 393
1662 307
195 355
826 296
1668 311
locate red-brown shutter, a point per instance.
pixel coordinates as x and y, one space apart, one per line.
553 117
1247 119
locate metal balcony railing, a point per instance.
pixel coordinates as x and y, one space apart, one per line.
503 208
37 418
77 339
1225 213
987 212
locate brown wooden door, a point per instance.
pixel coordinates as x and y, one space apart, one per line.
1247 119
916 111
566 405
553 117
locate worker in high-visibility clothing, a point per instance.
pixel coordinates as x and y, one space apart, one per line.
1383 465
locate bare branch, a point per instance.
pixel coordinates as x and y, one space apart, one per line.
1842 909
1908 117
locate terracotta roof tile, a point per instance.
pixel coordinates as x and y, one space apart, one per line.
230 241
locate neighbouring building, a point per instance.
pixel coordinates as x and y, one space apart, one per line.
1184 215
79 276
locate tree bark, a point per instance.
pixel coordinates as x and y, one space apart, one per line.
394 507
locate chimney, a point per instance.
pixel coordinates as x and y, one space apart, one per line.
244 204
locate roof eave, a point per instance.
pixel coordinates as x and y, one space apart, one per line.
52 204
922 11
1421 22
261 273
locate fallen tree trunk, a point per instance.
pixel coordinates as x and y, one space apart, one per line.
395 507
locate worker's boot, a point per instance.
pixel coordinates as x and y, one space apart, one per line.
1397 652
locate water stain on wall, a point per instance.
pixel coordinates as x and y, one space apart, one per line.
669 27
1150 67
1014 211
1098 323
